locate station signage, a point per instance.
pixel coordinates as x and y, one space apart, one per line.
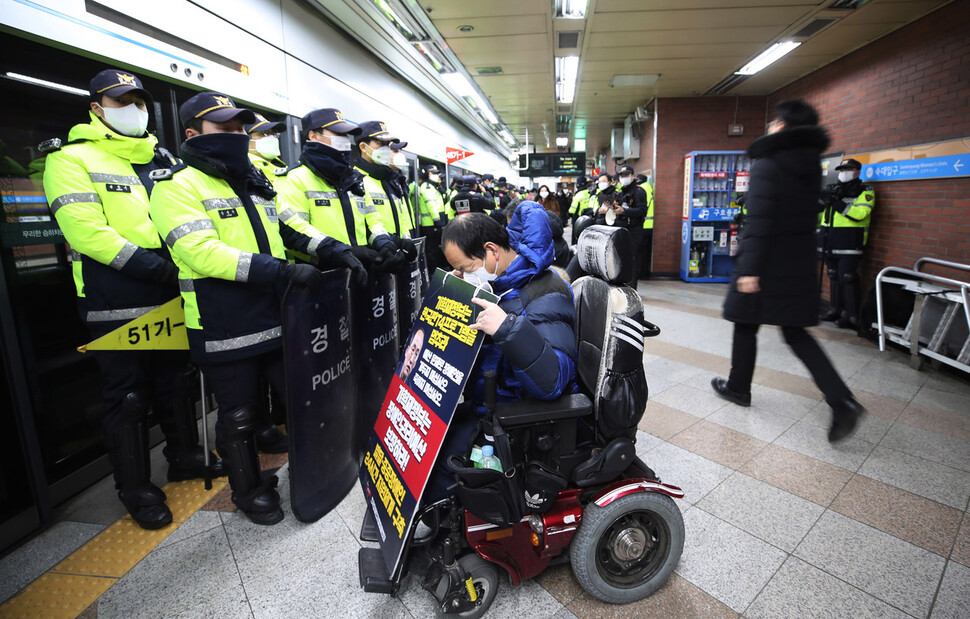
553 164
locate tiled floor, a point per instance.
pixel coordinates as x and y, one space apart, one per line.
779 523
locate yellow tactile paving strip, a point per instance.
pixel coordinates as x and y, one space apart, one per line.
76 582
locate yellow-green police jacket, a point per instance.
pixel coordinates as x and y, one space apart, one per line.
101 205
844 222
580 198
229 283
271 169
648 220
431 204
396 218
303 194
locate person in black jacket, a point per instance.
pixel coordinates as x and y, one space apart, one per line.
775 280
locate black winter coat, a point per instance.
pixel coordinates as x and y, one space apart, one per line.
778 238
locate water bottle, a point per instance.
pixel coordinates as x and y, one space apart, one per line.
489 460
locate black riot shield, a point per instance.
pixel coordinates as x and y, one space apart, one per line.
423 265
409 286
376 346
321 401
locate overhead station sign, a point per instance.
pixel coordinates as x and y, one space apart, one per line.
554 164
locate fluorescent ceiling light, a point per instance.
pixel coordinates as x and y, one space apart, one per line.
567 71
507 136
401 20
562 141
767 57
462 87
39 82
579 145
571 9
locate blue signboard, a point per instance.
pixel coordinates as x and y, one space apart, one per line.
917 169
714 214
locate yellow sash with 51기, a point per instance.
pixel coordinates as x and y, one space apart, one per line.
163 328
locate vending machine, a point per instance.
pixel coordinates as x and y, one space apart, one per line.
713 182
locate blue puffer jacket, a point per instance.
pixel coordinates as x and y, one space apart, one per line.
534 351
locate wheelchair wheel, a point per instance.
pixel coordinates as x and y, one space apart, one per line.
485 578
625 551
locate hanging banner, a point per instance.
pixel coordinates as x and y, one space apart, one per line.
456 154
163 328
439 354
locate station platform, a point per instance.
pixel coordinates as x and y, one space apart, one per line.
779 523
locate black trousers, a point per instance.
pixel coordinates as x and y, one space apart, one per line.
636 233
645 253
240 382
744 351
151 372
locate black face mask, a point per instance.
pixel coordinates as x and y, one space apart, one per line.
227 153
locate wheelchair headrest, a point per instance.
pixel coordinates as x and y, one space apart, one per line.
606 252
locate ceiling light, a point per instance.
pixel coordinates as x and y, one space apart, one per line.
507 137
767 57
622 81
462 87
567 71
39 82
562 141
579 146
465 28
401 19
571 9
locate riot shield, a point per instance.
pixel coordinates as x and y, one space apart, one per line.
409 295
376 346
322 420
422 245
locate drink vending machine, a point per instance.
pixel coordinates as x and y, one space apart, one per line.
713 182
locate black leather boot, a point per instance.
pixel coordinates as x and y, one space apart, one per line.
254 496
128 450
835 296
271 440
845 417
186 458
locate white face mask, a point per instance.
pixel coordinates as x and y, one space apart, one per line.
399 160
846 175
602 186
340 142
543 194
434 178
268 147
129 120
626 180
382 155
481 276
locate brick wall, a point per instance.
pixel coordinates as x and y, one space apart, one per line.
685 125
909 87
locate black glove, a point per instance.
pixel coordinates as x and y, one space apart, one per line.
302 275
391 260
365 255
442 221
407 246
357 270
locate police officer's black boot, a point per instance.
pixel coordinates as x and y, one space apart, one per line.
186 458
255 496
128 449
269 438
835 297
850 301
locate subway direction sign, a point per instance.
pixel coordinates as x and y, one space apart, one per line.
923 161
553 164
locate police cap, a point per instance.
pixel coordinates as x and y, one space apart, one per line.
430 169
214 107
849 164
488 177
114 83
625 170
330 119
262 124
376 130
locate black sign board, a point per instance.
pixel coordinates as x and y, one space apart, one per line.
554 164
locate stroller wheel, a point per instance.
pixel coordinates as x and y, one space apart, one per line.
625 551
485 580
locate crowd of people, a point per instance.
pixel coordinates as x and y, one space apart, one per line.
227 225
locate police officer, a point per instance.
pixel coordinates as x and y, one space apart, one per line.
328 192
844 230
431 212
382 193
580 198
630 208
217 214
469 199
98 187
264 146
646 241
503 193
487 189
